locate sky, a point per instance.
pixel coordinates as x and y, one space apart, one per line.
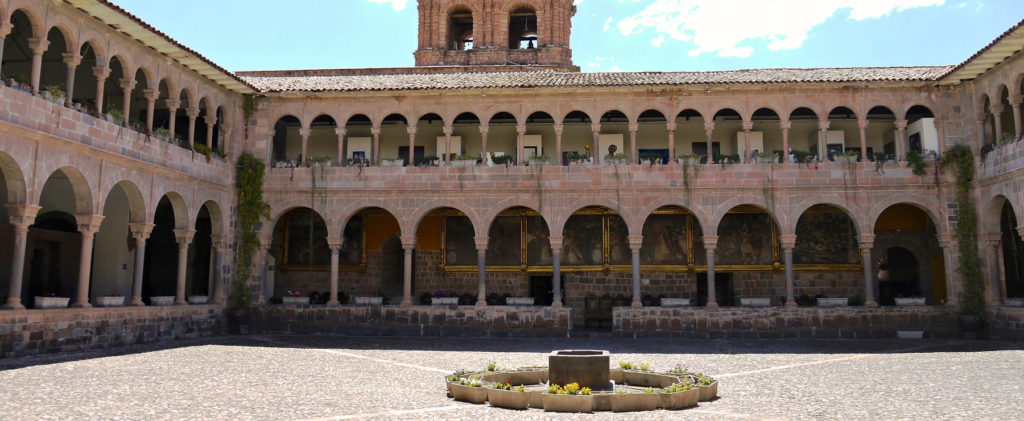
607 35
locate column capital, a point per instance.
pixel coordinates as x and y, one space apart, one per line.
1020 230
22 215
411 130
184 236
485 129
172 103
89 224
520 129
1015 100
595 128
141 231
305 132
447 130
220 242
866 240
709 126
901 124
710 242
340 131
824 124
72 60
211 119
192 113
785 124
996 108
375 131
127 84
556 244
408 243
151 94
38 45
748 125
5 28
670 126
788 241
559 128
634 127
862 123
101 72
481 242
946 240
635 242
335 247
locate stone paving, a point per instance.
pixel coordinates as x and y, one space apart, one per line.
316 377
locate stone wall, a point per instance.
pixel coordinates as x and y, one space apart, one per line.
30 332
1006 323
467 321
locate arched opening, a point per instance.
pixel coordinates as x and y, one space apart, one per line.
217 135
908 228
446 235
613 139
202 125
460 29
518 250
1009 130
652 137
1013 253
301 255
323 141
843 134
17 56
12 191
114 247
729 133
287 144
466 131
54 243
766 136
826 256
359 140
921 133
162 113
84 93
691 136
671 251
748 242
113 92
522 29
577 137
371 259
881 134
138 115
181 119
54 73
539 140
160 268
430 133
394 141
199 282
502 140
595 241
988 130
803 135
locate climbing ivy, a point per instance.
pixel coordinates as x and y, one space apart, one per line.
251 207
916 163
972 299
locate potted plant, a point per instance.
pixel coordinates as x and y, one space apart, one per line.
707 386
163 134
616 159
688 159
576 159
203 150
832 302
198 299
651 159
675 302
367 301
427 161
54 94
464 160
295 298
505 160
755 301
641 374
111 300
570 398
115 116
393 162
646 399
51 300
538 161
767 157
519 301
469 390
909 301
504 395
161 300
440 299
679 396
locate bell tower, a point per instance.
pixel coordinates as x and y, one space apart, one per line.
495 33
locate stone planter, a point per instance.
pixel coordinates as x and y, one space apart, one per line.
537 163
833 302
631 402
528 377
51 302
708 392
164 300
469 394
392 163
910 334
755 302
109 301
568 403
295 301
578 162
647 379
676 302
510 399
910 301
602 401
680 400
1013 302
520 301
444 301
198 299
464 163
368 301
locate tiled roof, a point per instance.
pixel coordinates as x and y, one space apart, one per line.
555 79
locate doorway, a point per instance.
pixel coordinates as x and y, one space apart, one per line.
542 289
724 292
903 277
392 268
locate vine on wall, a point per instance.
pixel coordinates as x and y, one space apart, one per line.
972 299
251 207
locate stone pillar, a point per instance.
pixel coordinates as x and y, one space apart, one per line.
747 127
408 244
411 131
1015 101
710 244
979 120
671 128
5 30
446 159
635 242
217 293
375 131
484 131
785 125
520 132
901 139
634 157
481 270
21 216
862 125
341 133
558 143
867 243
72 60
151 96
335 245
184 237
101 74
264 268
556 271
823 126
211 120
304 134
38 47
140 232
88 225
172 108
127 85
994 291
709 129
788 244
997 117
192 114
597 154
948 244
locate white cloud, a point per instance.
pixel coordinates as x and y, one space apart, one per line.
396 4
727 28
608 23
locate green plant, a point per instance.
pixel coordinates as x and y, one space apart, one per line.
520 389
466 157
248 106
116 115
678 387
616 156
585 391
251 207
650 390
645 366
20 77
454 378
767 157
972 298
1007 137
502 160
916 163
570 389
626 365
704 380
678 369
492 366
554 389
655 158
163 133
573 156
315 160
502 386
55 91
203 149
801 157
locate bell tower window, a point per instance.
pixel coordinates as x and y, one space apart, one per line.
460 29
522 29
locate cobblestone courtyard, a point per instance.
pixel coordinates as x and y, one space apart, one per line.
304 377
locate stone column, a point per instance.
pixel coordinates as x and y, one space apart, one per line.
709 129
375 131
901 139
484 131
408 245
997 117
671 128
88 225
341 133
948 244
151 96
788 244
304 134
979 120
72 60
1015 101
184 237
710 244
995 290
411 131
446 159
862 125
264 268
520 132
634 156
101 74
597 154
823 139
747 127
867 243
38 47
140 232
556 271
481 270
21 216
172 108
5 30
219 245
335 245
635 242
127 85
558 143
785 125
211 120
192 114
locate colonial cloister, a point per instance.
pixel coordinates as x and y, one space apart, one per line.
493 171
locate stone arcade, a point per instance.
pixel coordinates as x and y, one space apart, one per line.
699 204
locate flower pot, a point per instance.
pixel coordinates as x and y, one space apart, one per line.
755 302
909 301
198 299
568 403
51 302
464 163
519 301
631 402
367 301
537 163
708 392
833 302
528 377
676 302
165 300
680 400
602 401
444 301
109 301
392 163
469 394
295 301
510 399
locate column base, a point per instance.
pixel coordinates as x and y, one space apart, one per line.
711 306
180 303
637 303
791 304
481 303
871 303
81 305
137 302
13 304
406 303
333 303
556 304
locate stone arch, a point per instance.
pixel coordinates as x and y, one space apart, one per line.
505 21
137 210
493 114
290 205
491 213
926 205
218 221
991 212
455 7
723 209
182 218
836 201
14 179
35 22
648 208
560 217
411 223
586 114
341 219
83 191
